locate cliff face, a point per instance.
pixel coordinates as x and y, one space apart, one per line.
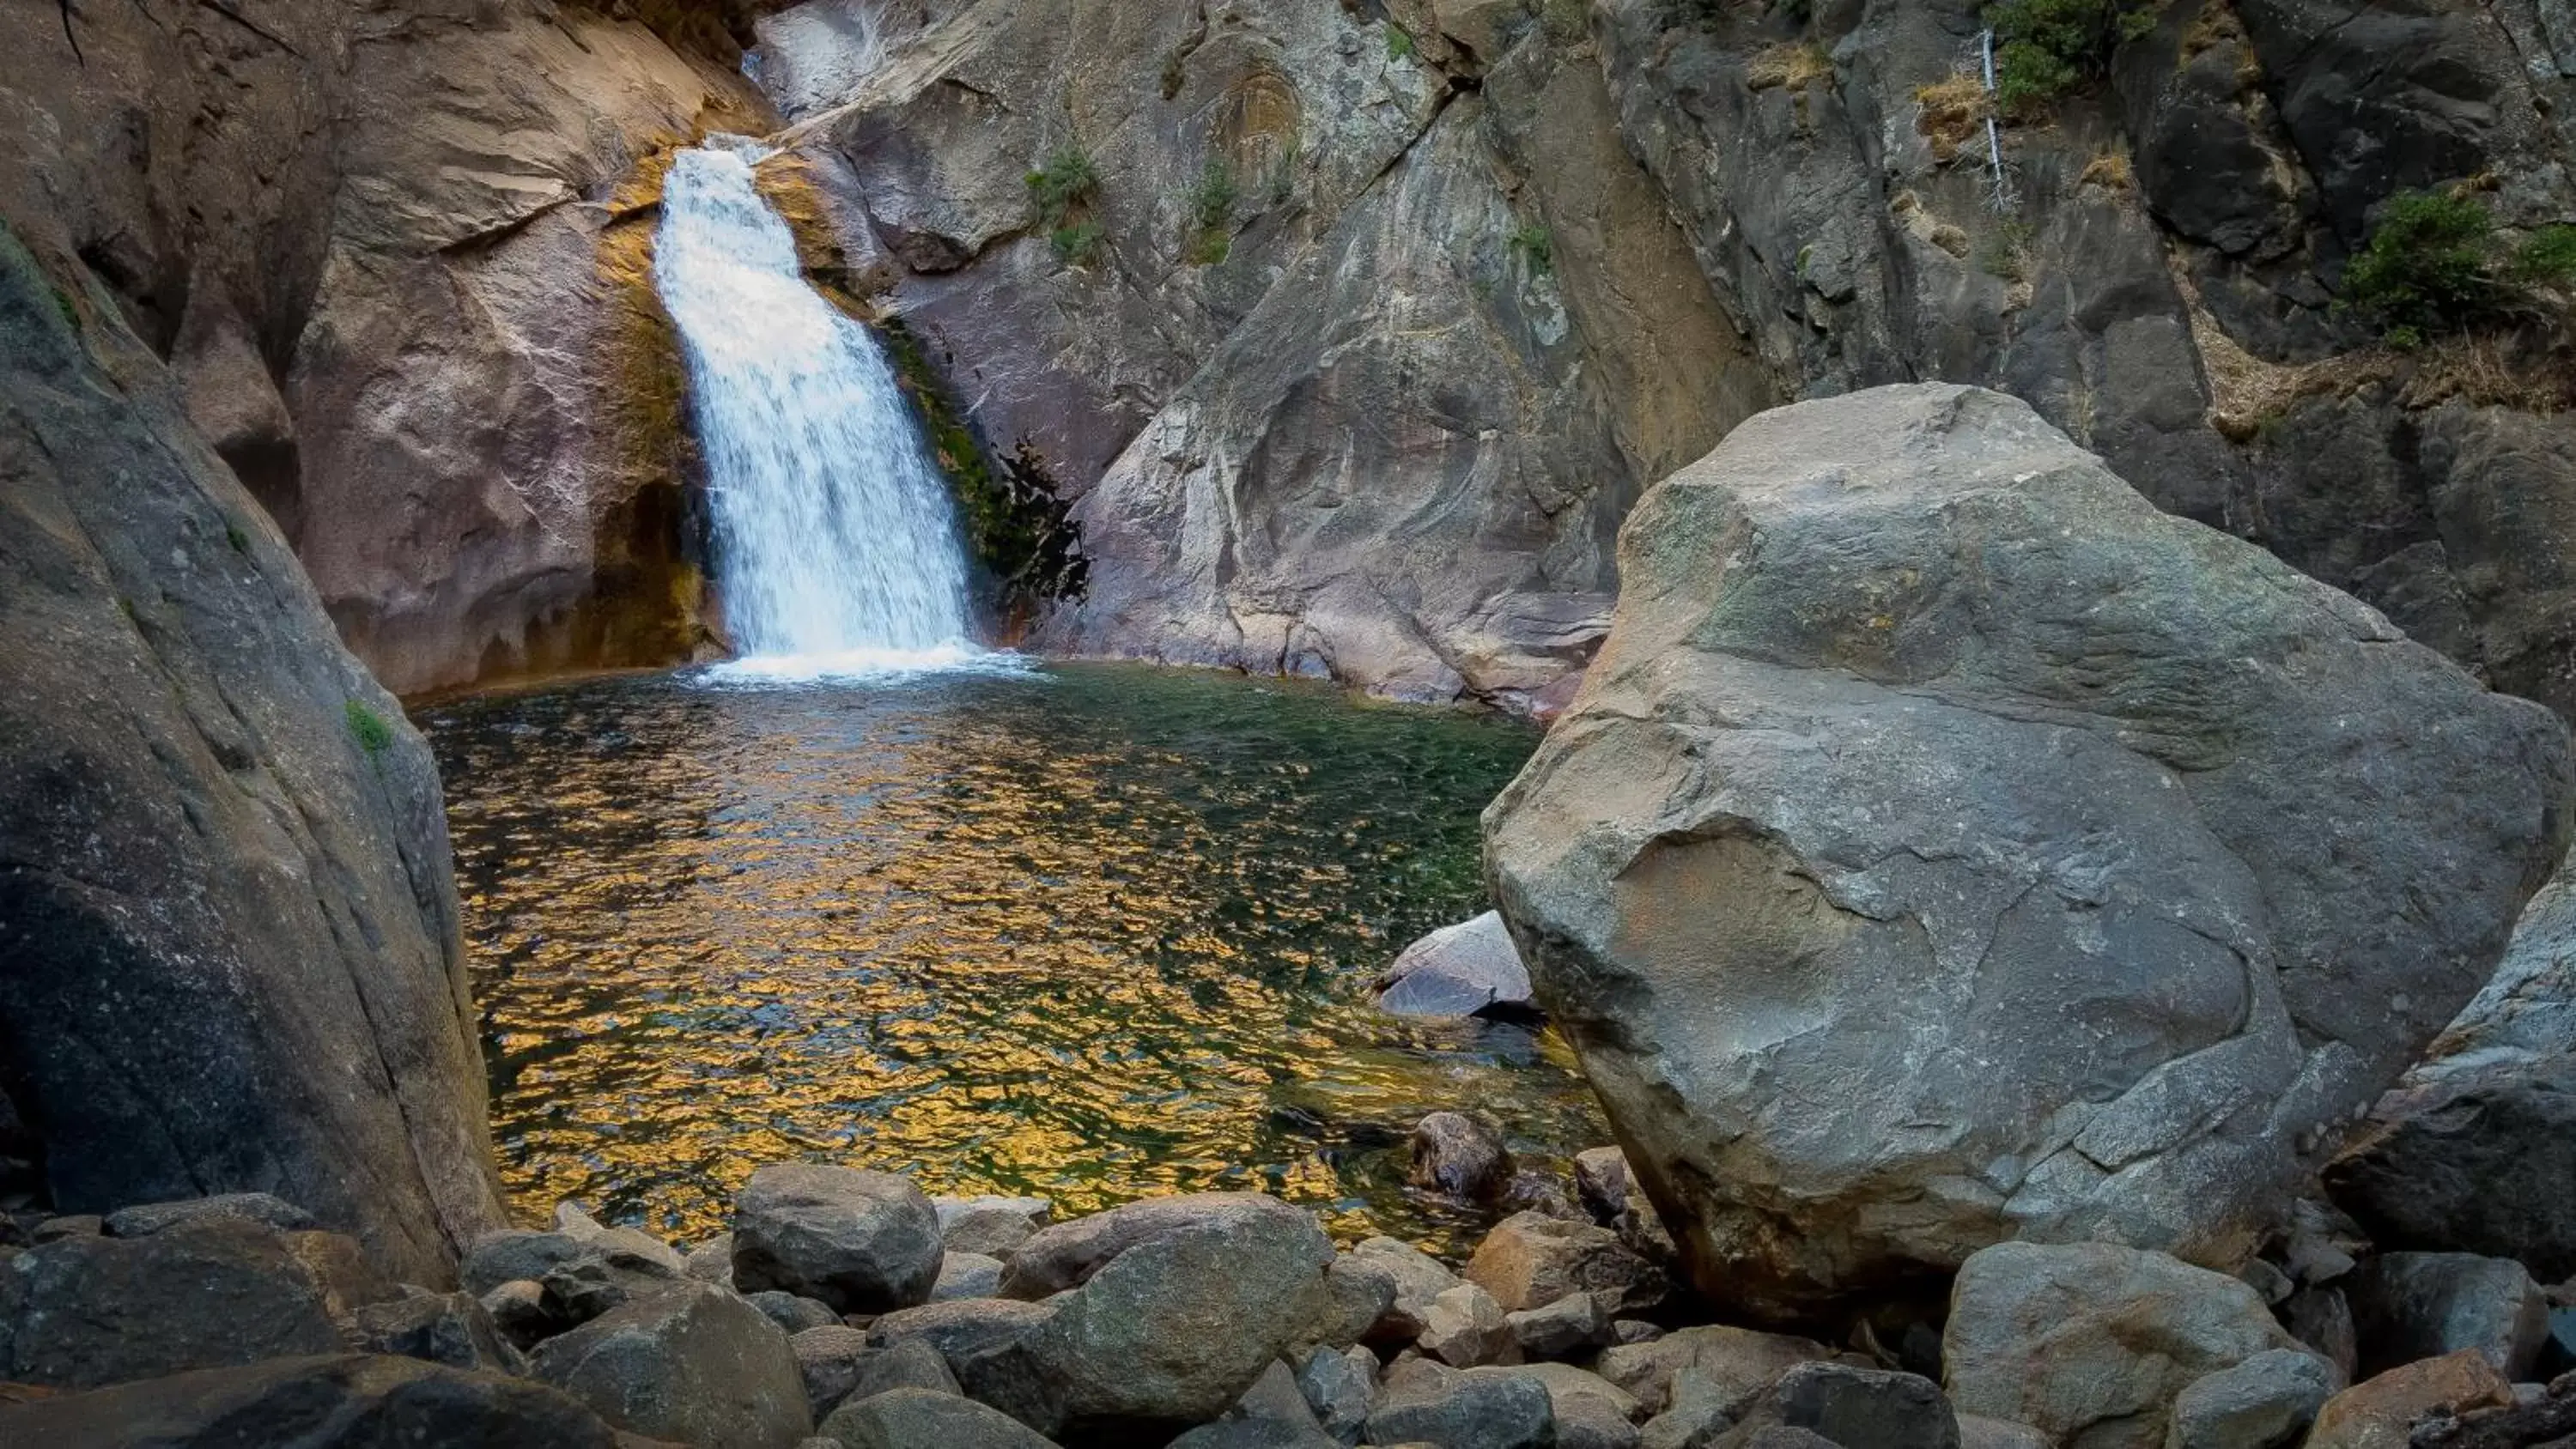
372 241
2163 282
322 276
1485 269
1350 364
228 934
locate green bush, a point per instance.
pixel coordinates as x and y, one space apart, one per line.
369 729
2046 48
1066 181
1535 248
2435 263
1209 205
1399 42
1076 243
1212 196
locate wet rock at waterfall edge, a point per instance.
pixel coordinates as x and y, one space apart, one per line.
862 1242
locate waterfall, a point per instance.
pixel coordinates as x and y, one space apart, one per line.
836 541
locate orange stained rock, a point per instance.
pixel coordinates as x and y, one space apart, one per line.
2379 1413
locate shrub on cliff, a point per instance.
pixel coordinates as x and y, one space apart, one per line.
2436 263
2045 48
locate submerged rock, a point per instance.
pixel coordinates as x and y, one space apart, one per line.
861 1242
2135 824
1461 1156
1469 969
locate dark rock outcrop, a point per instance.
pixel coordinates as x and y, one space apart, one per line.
228 934
345 1402
83 1312
2109 903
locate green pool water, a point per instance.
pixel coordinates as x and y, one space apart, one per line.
1093 932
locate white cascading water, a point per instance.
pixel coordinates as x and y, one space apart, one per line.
836 540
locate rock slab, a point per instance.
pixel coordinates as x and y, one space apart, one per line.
2100 863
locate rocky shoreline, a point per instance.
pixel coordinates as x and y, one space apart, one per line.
847 1308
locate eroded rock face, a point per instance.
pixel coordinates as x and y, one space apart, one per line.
1357 426
2084 852
228 934
494 473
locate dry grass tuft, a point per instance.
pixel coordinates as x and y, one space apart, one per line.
1795 65
2109 170
1951 114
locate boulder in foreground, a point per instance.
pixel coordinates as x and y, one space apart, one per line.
355 1401
862 1242
2095 865
2091 1343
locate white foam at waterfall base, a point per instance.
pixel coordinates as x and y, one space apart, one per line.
835 538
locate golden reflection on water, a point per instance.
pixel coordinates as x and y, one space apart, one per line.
1096 933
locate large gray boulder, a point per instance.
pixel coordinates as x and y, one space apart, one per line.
2472 1153
692 1363
2095 864
230 959
2411 1306
1172 1331
346 1401
2092 1343
1066 1254
862 1242
1480 1408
